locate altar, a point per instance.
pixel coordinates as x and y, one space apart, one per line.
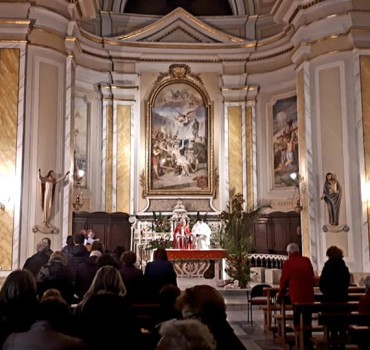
197 263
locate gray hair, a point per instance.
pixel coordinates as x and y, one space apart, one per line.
292 248
186 335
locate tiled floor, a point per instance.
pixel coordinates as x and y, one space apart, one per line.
253 335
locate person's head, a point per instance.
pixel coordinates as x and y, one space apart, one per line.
367 283
185 335
47 241
69 240
168 294
19 287
160 254
51 173
203 302
83 232
292 248
106 259
78 238
54 309
59 257
41 247
334 252
128 258
97 245
329 176
107 279
90 234
51 293
118 251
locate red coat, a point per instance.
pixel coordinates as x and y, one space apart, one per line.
298 276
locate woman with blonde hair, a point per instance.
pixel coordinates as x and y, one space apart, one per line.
105 303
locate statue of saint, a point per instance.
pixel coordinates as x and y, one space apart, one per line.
48 184
332 195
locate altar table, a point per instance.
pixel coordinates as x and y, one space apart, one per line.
195 263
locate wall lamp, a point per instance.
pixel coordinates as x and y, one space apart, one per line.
297 178
78 199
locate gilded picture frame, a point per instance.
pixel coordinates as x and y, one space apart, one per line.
285 141
179 139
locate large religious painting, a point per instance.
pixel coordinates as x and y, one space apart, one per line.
285 141
179 141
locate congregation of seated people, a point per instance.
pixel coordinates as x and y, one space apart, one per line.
84 297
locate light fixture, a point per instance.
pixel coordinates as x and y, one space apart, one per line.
78 201
297 178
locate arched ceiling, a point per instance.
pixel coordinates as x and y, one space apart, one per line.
195 7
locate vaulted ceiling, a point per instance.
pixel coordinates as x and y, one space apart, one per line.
195 7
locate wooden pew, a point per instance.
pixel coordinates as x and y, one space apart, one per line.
360 335
271 308
337 328
279 318
313 309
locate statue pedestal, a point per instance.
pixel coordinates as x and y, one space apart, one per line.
46 229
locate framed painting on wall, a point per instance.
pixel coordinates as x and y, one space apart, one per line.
285 140
179 140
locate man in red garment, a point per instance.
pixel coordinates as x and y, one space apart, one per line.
297 278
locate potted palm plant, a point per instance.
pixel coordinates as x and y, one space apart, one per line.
236 238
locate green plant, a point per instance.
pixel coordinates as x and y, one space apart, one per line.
159 243
161 223
236 237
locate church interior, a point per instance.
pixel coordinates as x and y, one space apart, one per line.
113 111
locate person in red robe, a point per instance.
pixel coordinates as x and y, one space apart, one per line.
181 235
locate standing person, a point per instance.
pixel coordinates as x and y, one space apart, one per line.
335 277
86 270
297 277
48 184
37 260
18 303
76 254
55 274
159 272
132 277
332 195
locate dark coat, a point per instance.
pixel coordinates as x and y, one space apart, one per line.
134 281
76 254
115 318
56 275
158 273
334 280
36 261
84 275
